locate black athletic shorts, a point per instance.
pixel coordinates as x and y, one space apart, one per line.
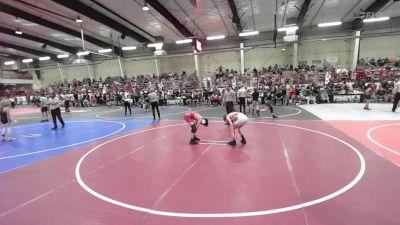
44 109
3 117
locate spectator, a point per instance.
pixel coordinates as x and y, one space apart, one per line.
229 99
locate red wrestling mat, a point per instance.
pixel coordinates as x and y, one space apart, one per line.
294 172
380 136
21 111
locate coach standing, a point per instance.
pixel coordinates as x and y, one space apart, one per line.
153 98
229 99
242 93
54 103
396 93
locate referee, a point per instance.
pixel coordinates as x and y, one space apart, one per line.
54 103
44 109
396 93
242 99
127 104
229 98
153 97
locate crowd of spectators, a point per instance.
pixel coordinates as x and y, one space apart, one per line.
111 90
386 63
308 84
283 85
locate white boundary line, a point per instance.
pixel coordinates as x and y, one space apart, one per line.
223 215
139 117
369 132
65 146
31 135
212 141
269 117
212 144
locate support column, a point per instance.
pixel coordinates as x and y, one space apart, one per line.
356 54
120 67
196 66
90 73
82 38
241 58
157 68
295 54
59 69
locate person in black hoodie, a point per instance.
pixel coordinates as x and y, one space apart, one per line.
256 109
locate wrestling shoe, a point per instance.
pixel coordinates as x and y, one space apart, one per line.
193 142
233 142
243 141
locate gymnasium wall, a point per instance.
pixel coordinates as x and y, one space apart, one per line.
208 63
382 43
260 57
51 73
140 66
317 51
176 64
315 47
106 68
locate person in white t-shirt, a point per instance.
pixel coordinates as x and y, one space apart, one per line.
127 104
5 119
236 121
241 94
44 109
54 103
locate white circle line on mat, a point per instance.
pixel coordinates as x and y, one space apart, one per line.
223 215
66 146
270 117
369 135
139 117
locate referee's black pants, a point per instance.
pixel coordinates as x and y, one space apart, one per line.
242 103
396 101
154 106
229 107
127 106
268 103
57 113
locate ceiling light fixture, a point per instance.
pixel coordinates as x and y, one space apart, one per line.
378 19
250 33
62 56
8 63
331 24
215 37
78 20
27 60
44 58
128 48
155 45
145 7
82 53
283 49
18 32
288 29
184 41
107 50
